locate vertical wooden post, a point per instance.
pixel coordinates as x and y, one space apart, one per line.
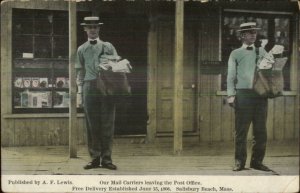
72 75
178 77
152 76
296 49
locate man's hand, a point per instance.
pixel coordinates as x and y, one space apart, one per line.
231 101
106 65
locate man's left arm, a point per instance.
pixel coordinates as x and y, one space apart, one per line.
108 57
114 52
262 53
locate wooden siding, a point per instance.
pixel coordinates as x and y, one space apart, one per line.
210 106
281 123
40 131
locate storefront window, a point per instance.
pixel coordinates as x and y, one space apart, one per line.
40 60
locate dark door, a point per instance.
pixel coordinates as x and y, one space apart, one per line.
128 33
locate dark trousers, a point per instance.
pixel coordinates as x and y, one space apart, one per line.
250 108
99 113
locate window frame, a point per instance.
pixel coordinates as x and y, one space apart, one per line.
58 65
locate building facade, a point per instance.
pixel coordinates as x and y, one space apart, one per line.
35 76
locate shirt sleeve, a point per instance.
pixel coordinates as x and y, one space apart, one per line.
114 52
231 75
110 52
79 64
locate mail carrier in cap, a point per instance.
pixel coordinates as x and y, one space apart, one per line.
249 107
92 20
249 26
99 107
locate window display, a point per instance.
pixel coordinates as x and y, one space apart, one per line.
40 61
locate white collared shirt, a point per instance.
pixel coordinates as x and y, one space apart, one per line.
98 40
245 46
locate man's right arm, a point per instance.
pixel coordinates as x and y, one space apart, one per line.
231 79
79 66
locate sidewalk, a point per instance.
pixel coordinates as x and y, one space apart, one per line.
134 157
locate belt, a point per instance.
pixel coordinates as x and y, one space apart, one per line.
247 92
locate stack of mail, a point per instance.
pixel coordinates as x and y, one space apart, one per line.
268 59
121 66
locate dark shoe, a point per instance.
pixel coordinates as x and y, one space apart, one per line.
93 164
109 166
260 166
238 166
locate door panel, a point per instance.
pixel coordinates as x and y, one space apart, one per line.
166 75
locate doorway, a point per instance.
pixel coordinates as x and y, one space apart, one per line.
165 73
128 33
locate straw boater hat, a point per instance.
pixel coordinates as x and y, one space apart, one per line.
248 27
88 21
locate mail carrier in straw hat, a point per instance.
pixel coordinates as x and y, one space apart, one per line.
249 26
91 21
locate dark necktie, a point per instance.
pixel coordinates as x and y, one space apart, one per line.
93 42
249 48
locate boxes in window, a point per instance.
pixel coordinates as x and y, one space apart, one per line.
17 99
43 83
41 99
61 99
45 99
24 99
26 82
18 82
